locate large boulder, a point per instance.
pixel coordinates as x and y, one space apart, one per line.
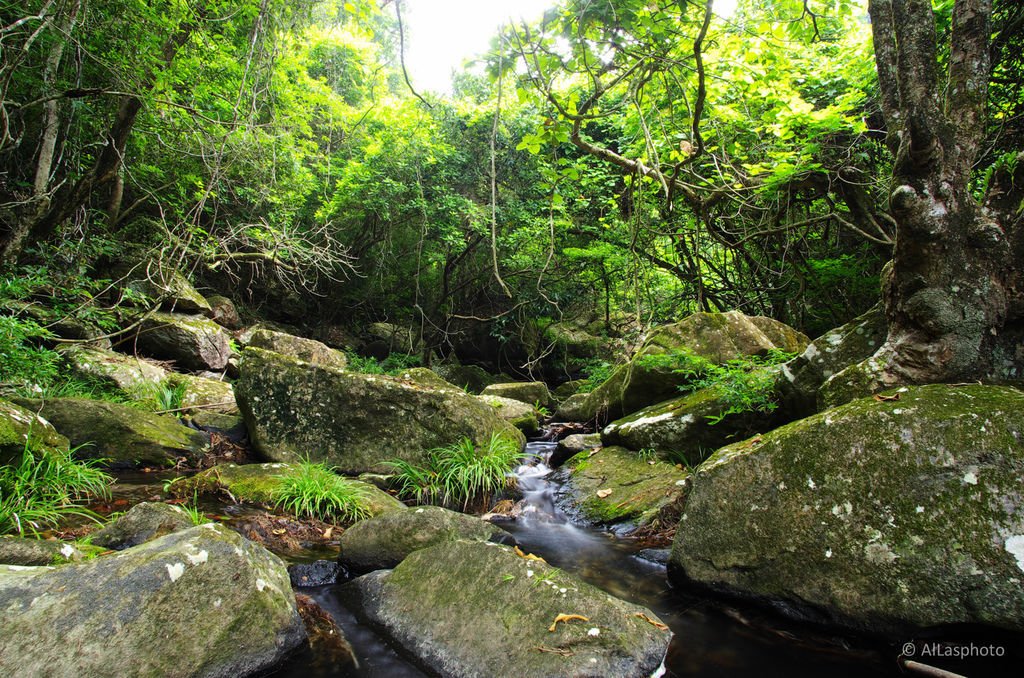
383 542
127 373
353 421
223 312
652 374
571 445
191 341
391 338
884 514
521 415
826 356
470 378
202 602
576 343
123 436
614 485
22 427
307 350
207 395
27 551
470 608
143 522
529 392
155 281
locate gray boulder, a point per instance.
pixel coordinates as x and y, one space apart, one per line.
27 551
472 378
201 394
383 542
127 373
572 445
21 426
516 412
202 602
223 312
191 341
353 421
307 350
529 392
476 609
882 515
178 294
143 522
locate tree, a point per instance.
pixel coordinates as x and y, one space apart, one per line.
954 297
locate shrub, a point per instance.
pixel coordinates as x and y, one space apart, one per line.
314 490
744 384
595 372
26 367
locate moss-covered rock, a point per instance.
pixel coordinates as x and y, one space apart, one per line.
569 446
26 551
307 350
426 377
688 428
143 522
191 341
223 312
521 415
257 483
575 342
122 436
470 378
651 377
393 338
127 373
22 426
206 395
383 542
882 515
178 293
353 421
566 389
613 485
201 602
529 392
469 608
576 407
827 355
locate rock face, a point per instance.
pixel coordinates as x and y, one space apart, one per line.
203 602
515 412
476 609
649 377
825 357
385 541
685 428
307 350
191 341
21 426
124 436
143 522
614 485
529 392
877 515
352 421
127 373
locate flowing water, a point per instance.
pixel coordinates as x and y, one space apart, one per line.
710 638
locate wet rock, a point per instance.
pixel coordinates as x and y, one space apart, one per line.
470 378
122 436
306 350
26 551
614 485
231 426
201 394
572 445
317 573
201 602
353 421
326 638
191 341
519 414
127 373
21 426
223 312
881 515
143 522
476 609
529 392
385 541
656 556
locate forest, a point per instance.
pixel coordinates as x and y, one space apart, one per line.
721 253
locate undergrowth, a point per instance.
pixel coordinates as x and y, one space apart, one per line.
393 365
744 384
314 490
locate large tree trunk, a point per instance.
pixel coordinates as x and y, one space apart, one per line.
951 295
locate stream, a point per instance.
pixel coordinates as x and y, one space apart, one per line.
711 638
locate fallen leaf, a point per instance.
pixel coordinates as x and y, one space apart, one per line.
886 398
280 531
754 441
527 556
566 618
603 493
328 532
653 622
556 650
651 463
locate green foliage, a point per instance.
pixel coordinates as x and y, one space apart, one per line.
314 490
44 486
596 372
459 475
744 384
25 365
163 396
393 365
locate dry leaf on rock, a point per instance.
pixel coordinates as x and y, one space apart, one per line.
566 618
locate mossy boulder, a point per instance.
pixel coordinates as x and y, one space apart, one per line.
191 341
178 293
575 342
383 542
829 354
123 436
688 428
143 522
223 312
201 602
426 377
204 394
258 482
577 407
651 375
567 389
26 551
393 338
529 392
468 608
571 445
128 373
614 485
470 378
882 515
353 421
307 350
521 415
22 426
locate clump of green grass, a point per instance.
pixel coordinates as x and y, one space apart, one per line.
745 384
314 490
459 475
44 486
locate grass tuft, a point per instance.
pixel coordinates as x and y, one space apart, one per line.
314 490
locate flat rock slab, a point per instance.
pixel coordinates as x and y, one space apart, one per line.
473 609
